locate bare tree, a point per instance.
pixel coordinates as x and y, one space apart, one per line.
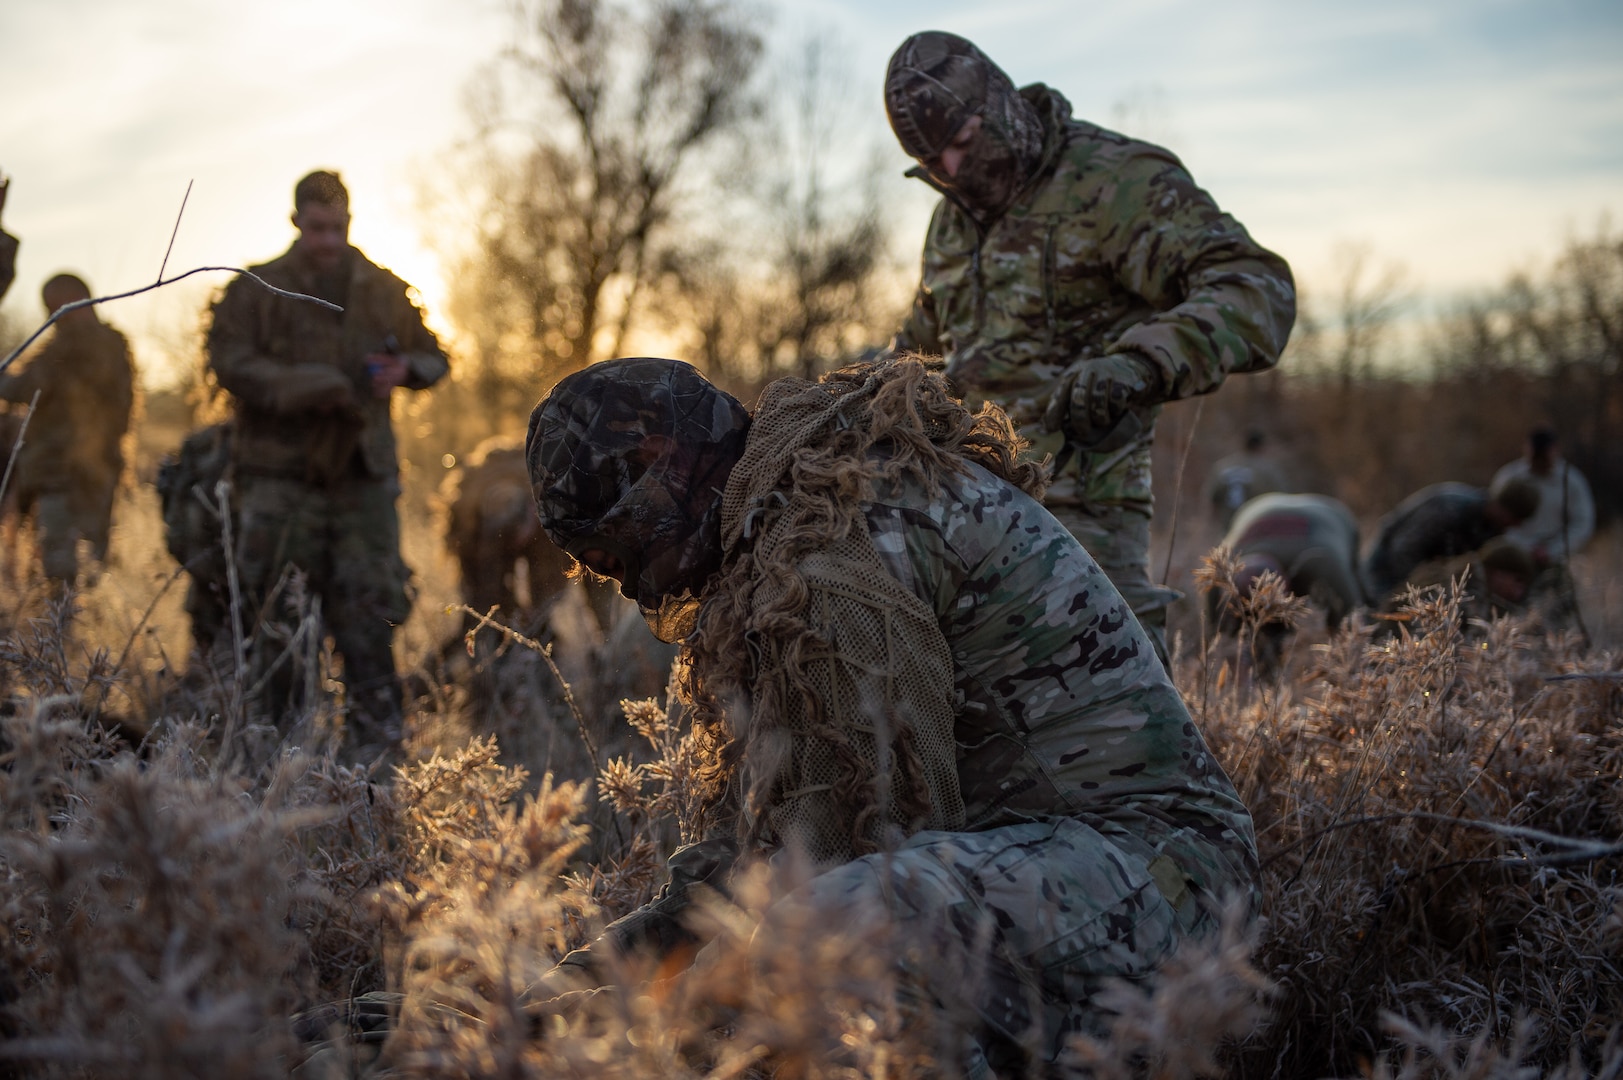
798 292
591 129
1367 301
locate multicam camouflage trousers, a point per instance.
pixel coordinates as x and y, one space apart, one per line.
1022 925
1118 538
63 518
345 539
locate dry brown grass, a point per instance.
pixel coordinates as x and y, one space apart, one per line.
1439 814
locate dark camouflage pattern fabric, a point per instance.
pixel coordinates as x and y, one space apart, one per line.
628 458
1314 540
69 466
935 83
1110 247
1439 522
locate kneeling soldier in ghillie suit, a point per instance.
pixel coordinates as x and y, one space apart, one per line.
72 457
1079 279
910 674
313 455
1310 542
1440 522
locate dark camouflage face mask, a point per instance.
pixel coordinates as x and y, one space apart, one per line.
935 83
628 459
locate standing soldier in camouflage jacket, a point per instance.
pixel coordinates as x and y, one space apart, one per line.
909 673
313 457
69 466
1079 279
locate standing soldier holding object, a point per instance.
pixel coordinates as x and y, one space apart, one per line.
68 469
313 452
1079 279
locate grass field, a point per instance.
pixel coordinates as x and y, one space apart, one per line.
1439 812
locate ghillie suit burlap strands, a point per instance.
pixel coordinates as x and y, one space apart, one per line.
831 755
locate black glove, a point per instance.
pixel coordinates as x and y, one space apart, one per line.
1095 396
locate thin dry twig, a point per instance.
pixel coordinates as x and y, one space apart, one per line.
545 652
17 445
160 283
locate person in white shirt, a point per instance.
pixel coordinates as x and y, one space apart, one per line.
1563 524
1566 511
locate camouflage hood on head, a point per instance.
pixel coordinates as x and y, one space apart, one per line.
937 81
629 458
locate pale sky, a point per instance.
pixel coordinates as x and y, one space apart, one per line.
1461 138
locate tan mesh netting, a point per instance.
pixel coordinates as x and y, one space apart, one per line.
827 682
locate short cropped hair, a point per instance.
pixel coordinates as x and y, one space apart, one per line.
1541 439
61 283
322 187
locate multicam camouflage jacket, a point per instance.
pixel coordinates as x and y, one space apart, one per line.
1110 248
1062 707
297 372
1053 702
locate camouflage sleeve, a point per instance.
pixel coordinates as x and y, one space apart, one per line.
1226 304
257 379
426 363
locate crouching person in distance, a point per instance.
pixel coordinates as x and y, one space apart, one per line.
1311 543
913 676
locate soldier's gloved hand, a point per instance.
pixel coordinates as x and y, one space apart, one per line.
1095 395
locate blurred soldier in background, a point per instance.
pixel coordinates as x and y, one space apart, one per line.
1497 578
72 457
1242 476
1563 524
1079 279
8 244
313 453
1311 542
1442 521
507 560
